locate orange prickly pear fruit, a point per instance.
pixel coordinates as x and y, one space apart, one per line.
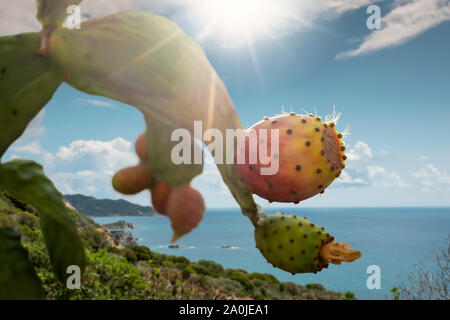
140 147
310 156
185 210
132 180
160 196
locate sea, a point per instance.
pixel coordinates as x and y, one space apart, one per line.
392 241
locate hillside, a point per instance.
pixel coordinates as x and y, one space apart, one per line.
115 272
107 207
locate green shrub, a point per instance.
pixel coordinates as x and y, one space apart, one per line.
115 250
199 269
349 296
167 264
186 272
291 288
130 255
215 269
241 277
177 262
315 286
264 277
142 252
94 239
395 293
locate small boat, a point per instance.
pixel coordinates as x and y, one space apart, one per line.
174 246
225 246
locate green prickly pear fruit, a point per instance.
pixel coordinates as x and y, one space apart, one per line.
310 156
297 245
185 209
27 82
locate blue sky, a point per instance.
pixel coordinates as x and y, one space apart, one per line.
392 87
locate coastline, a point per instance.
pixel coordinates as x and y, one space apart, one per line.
383 235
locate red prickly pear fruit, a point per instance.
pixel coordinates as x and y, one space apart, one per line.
132 180
141 147
160 196
310 156
185 210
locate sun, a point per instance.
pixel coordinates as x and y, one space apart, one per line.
234 22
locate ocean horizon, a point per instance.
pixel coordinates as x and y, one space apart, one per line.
392 238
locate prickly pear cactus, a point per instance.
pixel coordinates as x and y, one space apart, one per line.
310 156
297 245
147 61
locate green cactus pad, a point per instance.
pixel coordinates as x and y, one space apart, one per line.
291 243
27 82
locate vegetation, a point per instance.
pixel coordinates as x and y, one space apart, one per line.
426 283
114 272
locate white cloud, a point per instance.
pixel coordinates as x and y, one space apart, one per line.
35 129
29 143
362 170
18 16
33 147
381 177
87 166
84 166
100 103
108 155
430 177
346 179
360 151
407 20
339 7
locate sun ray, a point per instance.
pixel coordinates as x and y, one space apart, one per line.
147 53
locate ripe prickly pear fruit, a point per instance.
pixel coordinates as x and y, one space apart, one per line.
140 147
160 196
132 180
310 157
185 210
296 245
